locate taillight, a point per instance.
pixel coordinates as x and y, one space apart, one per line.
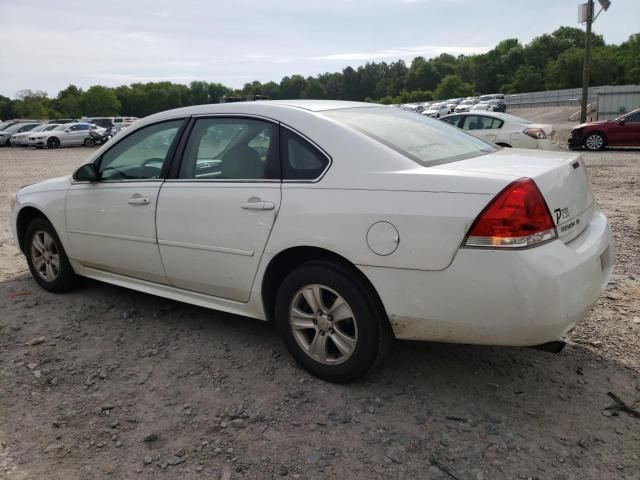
536 133
518 217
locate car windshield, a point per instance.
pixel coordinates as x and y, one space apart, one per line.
424 140
466 102
39 128
61 127
50 127
436 105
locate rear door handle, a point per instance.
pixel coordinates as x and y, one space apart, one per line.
138 200
258 205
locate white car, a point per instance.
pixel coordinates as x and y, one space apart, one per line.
65 135
436 110
482 106
7 133
466 104
347 223
22 139
505 130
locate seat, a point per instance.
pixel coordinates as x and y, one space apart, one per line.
242 162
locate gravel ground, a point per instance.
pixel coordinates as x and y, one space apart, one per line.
128 385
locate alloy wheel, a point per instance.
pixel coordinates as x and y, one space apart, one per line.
594 142
45 256
323 324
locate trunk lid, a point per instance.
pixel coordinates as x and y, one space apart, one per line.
561 177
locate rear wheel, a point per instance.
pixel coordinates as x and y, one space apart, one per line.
594 141
46 257
53 143
329 322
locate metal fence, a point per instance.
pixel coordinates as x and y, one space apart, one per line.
615 101
609 101
568 96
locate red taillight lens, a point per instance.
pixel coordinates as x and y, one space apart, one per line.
517 217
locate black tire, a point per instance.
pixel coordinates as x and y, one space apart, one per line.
65 279
595 141
373 337
7 143
53 142
89 142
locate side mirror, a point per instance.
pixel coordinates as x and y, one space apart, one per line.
86 173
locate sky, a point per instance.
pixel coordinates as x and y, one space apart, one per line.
47 45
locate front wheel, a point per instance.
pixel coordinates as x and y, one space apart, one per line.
53 143
330 323
89 142
594 141
46 257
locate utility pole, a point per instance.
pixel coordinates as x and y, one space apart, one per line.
586 64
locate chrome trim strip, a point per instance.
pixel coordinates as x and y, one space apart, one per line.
131 238
208 248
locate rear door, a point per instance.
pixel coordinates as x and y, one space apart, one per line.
482 126
215 217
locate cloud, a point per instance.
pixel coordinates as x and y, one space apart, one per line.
403 52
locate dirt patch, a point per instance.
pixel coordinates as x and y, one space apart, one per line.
126 385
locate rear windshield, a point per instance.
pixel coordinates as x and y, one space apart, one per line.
424 140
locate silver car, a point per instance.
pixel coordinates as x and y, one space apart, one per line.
66 135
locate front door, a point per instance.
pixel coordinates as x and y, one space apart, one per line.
111 222
630 131
214 220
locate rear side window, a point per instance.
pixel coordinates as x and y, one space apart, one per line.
300 159
451 120
424 140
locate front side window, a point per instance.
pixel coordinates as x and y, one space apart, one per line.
140 155
231 149
424 140
451 120
633 118
300 159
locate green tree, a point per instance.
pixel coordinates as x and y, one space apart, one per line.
100 101
452 87
526 79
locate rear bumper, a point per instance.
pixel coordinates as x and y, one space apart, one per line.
518 298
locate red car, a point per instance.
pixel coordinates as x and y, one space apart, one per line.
623 131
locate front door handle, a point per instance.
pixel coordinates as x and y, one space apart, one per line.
137 199
258 204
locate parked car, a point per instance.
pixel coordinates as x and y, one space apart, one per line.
504 129
347 223
436 110
22 139
492 96
465 105
7 123
5 135
497 105
481 106
623 131
65 135
104 122
452 103
124 122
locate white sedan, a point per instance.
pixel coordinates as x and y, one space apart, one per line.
347 223
65 135
504 129
22 139
436 110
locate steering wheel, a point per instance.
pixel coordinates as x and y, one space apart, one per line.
146 163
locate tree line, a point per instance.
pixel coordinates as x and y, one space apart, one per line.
549 62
